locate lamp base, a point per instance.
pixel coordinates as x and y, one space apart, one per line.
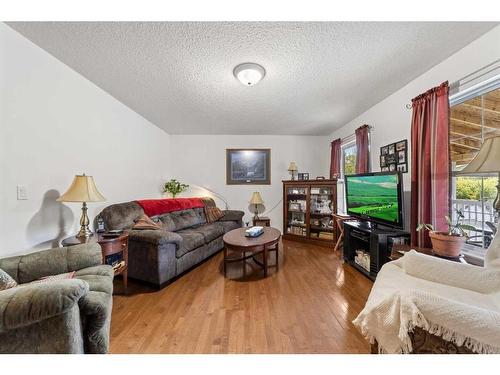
85 231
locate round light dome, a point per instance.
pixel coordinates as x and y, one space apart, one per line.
249 74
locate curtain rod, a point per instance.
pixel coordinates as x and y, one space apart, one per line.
458 81
370 127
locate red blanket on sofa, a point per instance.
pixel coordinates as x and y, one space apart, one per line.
153 207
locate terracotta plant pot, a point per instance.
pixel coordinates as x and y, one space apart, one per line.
446 245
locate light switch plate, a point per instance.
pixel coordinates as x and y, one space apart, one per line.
22 193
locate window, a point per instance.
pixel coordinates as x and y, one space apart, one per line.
471 121
347 166
349 159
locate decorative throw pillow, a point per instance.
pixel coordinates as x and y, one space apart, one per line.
6 281
213 214
145 222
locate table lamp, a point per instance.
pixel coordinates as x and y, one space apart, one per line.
292 168
256 200
487 160
82 189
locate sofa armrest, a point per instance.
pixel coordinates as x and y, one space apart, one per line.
26 268
155 236
31 303
232 215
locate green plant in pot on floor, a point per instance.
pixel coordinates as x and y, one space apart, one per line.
174 187
448 243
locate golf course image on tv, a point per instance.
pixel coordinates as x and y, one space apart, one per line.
375 196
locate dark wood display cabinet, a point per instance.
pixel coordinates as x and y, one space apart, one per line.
308 208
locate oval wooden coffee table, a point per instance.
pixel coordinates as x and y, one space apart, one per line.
236 242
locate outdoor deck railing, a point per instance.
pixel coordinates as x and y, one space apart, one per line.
475 212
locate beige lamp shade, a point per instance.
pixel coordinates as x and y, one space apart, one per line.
256 198
82 189
487 159
292 167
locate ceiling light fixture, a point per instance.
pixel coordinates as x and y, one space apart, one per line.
249 74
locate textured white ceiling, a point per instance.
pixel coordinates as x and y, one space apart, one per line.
319 76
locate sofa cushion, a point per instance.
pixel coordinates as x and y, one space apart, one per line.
178 220
191 239
210 231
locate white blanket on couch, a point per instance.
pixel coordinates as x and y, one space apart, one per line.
457 301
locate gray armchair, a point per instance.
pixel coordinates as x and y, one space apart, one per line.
60 316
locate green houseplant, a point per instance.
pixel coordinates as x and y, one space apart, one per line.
448 243
174 187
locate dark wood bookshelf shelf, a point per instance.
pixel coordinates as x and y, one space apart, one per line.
318 194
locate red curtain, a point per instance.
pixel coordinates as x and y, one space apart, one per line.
363 149
430 162
335 158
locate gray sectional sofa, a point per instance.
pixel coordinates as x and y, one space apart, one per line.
58 316
185 240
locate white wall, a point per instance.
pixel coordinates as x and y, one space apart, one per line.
392 120
201 160
54 124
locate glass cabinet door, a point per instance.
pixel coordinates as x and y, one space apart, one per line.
296 201
321 210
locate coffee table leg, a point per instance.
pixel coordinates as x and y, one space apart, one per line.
265 261
225 257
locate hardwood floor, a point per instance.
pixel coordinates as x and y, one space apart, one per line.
305 307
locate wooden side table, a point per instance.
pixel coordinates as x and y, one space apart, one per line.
339 220
262 221
110 245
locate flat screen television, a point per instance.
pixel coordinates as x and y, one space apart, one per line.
376 197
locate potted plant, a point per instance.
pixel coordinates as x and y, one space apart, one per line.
174 187
450 243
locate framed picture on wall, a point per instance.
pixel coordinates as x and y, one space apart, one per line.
250 166
394 157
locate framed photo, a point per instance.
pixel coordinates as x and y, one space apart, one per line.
401 145
390 159
401 157
305 176
251 166
394 157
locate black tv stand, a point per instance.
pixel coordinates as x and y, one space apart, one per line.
370 241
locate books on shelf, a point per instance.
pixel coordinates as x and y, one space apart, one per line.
299 231
362 258
119 265
113 259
